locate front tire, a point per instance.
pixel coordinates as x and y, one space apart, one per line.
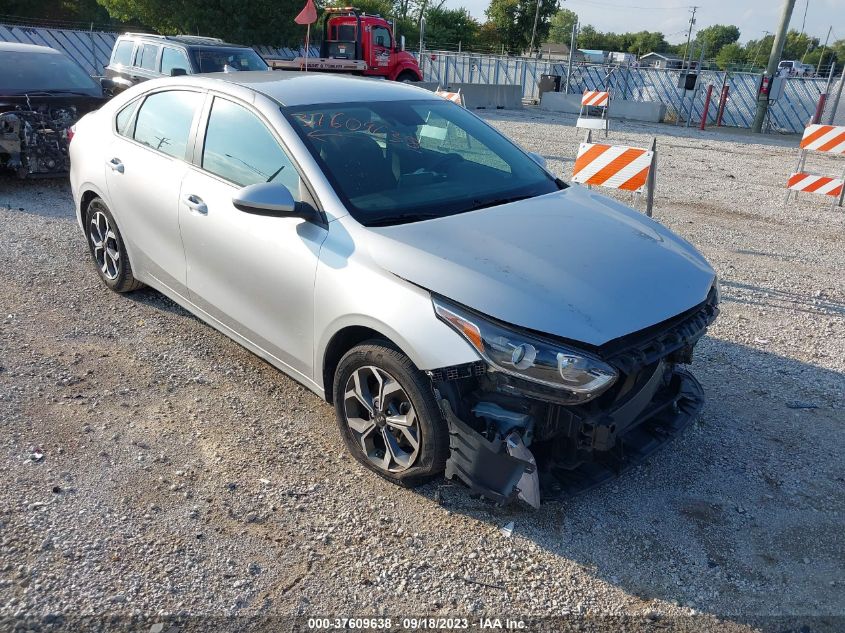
407 77
107 249
388 416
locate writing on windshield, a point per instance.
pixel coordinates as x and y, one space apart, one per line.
322 124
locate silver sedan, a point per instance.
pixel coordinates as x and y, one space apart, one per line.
463 309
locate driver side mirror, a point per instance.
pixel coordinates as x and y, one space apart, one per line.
178 72
275 200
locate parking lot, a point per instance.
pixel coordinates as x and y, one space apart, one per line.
151 465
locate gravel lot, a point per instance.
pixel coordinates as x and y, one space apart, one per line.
151 466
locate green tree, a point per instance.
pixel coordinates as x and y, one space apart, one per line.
730 54
81 11
647 42
445 28
560 26
716 37
590 38
514 21
797 45
256 22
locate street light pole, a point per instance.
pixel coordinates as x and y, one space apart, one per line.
774 60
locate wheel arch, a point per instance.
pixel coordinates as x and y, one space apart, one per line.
88 192
407 69
341 342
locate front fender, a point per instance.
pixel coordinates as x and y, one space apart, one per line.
351 290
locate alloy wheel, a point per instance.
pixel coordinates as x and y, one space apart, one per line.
104 244
382 419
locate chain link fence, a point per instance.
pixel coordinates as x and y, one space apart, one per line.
790 113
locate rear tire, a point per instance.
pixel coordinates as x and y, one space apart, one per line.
107 249
388 416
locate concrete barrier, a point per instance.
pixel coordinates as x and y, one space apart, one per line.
652 111
481 96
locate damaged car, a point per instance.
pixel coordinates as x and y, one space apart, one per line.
464 310
42 94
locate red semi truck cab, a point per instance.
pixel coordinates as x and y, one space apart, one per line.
358 43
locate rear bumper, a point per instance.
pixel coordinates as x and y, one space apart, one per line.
588 451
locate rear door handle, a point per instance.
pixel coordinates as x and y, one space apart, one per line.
196 205
116 165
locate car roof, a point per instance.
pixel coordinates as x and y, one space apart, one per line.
303 88
16 47
187 40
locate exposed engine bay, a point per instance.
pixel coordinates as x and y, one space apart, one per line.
512 439
34 139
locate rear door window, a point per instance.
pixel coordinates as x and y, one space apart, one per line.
149 53
174 58
164 121
123 53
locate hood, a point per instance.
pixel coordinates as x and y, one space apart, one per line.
82 104
573 264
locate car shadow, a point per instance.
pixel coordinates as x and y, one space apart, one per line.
728 519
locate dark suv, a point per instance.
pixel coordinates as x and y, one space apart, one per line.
137 57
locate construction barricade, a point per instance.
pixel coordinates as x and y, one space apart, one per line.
618 167
594 99
454 97
824 139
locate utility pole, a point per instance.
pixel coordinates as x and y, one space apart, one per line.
534 30
774 60
689 37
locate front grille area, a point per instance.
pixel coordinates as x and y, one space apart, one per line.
457 372
635 351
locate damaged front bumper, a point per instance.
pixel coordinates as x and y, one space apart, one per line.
608 445
511 439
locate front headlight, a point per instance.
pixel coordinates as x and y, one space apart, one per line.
528 357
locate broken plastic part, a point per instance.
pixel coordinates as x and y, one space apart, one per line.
505 421
528 486
486 467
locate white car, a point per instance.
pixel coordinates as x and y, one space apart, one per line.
463 309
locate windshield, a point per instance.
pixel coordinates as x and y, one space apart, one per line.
218 59
43 72
399 161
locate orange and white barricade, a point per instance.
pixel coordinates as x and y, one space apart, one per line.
824 139
454 97
594 99
617 167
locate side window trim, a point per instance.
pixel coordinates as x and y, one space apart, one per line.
202 129
134 103
189 152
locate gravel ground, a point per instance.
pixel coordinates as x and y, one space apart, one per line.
151 466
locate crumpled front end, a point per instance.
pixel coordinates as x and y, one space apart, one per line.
34 141
512 439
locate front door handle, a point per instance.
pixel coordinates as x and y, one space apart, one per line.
196 205
116 165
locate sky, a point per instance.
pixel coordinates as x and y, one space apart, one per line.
671 17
